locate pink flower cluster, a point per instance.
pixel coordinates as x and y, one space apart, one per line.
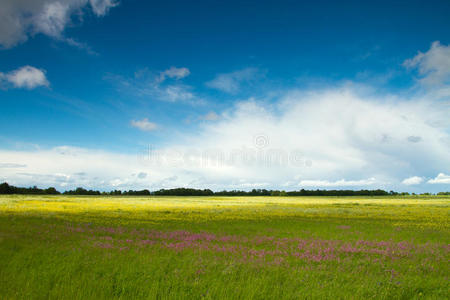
267 248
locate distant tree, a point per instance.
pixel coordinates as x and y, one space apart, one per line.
51 191
5 188
184 192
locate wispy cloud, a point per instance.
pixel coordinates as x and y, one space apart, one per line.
174 72
337 183
144 124
80 45
12 165
231 82
147 84
211 116
174 93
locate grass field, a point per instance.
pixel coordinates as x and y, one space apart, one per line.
224 248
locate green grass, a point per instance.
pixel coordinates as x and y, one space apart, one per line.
69 247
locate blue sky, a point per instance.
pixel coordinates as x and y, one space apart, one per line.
247 94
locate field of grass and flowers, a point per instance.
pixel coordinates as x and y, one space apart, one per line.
104 247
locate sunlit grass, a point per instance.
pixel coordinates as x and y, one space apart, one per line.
224 247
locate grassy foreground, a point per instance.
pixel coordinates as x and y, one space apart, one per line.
76 247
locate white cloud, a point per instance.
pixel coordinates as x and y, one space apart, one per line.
144 124
338 183
20 19
440 179
433 66
174 72
25 77
52 19
325 135
231 82
69 167
101 7
414 180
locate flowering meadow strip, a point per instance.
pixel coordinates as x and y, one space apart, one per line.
268 248
420 212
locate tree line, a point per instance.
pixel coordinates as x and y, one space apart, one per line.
5 188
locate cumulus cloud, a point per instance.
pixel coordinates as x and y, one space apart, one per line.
433 66
174 72
144 124
231 82
20 19
69 167
333 138
25 77
414 180
440 179
52 19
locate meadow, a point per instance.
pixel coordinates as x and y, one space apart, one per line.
104 247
